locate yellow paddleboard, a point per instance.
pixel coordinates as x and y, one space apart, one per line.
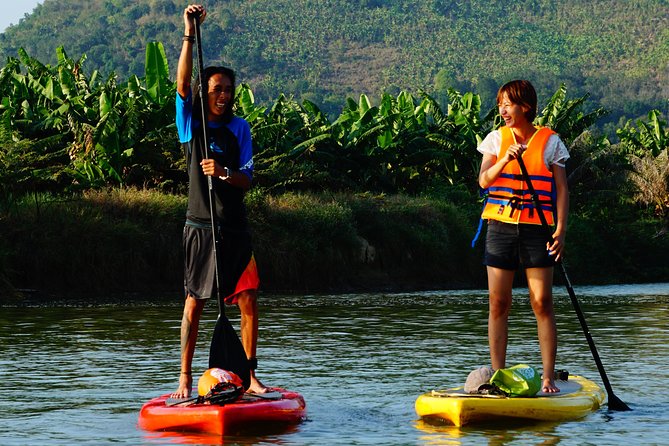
577 398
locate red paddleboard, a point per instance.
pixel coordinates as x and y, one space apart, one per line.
277 407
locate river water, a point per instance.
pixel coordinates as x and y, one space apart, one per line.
78 373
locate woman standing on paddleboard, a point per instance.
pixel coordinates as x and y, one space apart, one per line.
229 163
515 235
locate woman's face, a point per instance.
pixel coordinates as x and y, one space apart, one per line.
513 114
220 95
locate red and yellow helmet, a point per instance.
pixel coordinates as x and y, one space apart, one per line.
215 379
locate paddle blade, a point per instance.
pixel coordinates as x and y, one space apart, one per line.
616 403
227 351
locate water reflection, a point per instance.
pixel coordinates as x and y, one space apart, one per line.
505 433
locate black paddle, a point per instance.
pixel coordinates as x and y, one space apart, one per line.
615 403
227 351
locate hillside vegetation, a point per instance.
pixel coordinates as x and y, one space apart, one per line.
359 190
617 51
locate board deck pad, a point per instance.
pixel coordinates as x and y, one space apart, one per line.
273 395
566 387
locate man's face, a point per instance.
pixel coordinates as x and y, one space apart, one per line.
220 95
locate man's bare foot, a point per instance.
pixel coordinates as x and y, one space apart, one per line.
185 384
256 386
549 386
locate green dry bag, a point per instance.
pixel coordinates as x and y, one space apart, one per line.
519 380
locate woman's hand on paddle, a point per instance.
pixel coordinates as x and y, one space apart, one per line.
189 12
514 152
557 246
491 166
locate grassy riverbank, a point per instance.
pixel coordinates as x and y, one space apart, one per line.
127 240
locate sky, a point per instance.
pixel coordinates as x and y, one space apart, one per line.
13 10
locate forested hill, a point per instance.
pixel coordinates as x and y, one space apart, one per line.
325 50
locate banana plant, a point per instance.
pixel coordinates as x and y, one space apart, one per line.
565 116
457 133
109 129
649 138
156 74
281 133
125 134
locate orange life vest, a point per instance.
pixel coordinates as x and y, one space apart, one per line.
509 199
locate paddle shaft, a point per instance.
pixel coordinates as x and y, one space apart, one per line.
204 116
614 402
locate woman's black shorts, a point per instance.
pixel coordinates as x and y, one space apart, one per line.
509 245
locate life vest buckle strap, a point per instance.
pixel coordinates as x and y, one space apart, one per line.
514 203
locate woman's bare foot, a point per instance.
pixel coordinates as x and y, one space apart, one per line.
256 386
185 384
549 386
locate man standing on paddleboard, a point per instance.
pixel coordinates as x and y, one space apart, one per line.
515 234
229 163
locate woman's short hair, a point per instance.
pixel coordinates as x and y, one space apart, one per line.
520 92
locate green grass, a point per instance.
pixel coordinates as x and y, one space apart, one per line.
129 240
